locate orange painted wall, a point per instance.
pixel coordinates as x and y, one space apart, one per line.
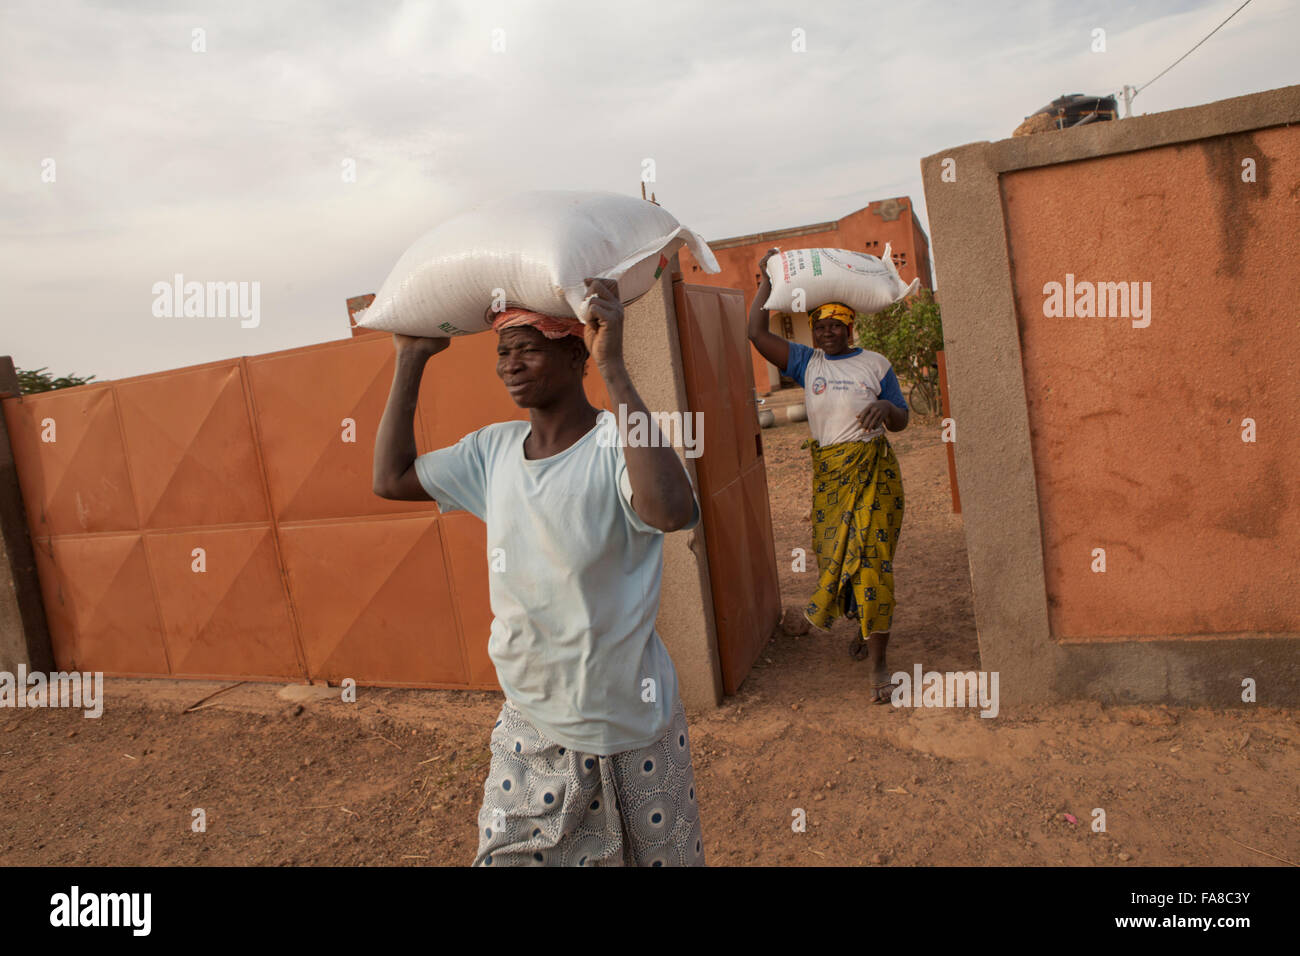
865 230
1137 432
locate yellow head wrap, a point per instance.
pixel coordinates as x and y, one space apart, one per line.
832 310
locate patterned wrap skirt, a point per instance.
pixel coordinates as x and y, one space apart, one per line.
547 805
857 516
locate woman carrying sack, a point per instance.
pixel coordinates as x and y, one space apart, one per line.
586 769
852 395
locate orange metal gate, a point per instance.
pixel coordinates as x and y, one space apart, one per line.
218 520
732 474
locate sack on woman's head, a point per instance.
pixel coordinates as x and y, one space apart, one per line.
532 251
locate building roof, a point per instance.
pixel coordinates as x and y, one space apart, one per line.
774 234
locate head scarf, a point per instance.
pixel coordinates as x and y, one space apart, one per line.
832 310
551 326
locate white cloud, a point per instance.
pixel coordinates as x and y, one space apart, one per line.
226 164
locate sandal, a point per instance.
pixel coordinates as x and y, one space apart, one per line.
877 697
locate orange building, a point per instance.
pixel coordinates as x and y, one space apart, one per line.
867 230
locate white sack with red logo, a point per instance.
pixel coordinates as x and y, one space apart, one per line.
857 279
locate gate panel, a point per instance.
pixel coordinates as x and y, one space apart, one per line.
190 448
53 475
383 615
60 616
100 605
762 553
466 541
233 617
732 475
301 399
704 357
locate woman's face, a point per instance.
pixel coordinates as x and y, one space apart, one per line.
537 371
831 336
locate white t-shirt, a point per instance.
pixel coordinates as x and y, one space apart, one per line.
837 389
574 606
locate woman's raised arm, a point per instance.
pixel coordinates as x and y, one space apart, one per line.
771 346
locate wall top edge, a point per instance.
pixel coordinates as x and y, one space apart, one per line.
1280 107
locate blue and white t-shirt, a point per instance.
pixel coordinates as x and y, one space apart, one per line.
838 387
574 582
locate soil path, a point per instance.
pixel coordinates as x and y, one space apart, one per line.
295 776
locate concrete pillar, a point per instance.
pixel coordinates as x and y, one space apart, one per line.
653 355
24 633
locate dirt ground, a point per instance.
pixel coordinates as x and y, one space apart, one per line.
293 775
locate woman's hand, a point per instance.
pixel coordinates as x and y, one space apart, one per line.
875 414
419 345
604 332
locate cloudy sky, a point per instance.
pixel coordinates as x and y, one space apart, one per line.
227 164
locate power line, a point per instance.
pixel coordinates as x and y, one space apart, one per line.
1189 52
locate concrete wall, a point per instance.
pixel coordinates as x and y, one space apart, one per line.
1080 433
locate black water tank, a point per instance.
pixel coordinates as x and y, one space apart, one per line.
1075 109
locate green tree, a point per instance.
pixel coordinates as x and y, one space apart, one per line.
39 380
908 333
